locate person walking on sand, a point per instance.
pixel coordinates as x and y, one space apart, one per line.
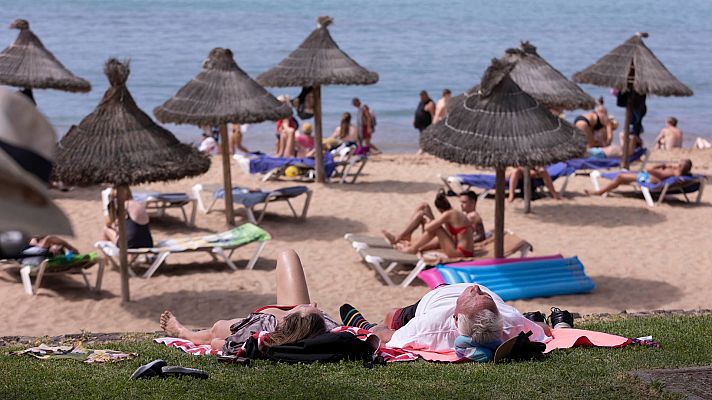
236 139
441 106
670 136
424 113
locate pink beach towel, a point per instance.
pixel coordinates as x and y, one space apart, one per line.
563 339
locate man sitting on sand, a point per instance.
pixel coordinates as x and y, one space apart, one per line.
653 175
670 136
454 232
469 318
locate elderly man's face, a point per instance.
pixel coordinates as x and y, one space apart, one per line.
473 300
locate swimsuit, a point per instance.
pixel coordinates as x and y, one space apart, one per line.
456 231
138 236
595 127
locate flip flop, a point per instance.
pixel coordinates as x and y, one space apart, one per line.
154 368
179 372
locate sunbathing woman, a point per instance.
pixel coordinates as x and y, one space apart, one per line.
594 121
452 231
294 319
653 174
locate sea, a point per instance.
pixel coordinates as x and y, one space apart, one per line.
413 45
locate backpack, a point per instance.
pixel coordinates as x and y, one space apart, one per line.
327 347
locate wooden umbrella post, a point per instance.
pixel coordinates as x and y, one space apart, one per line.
499 214
227 178
626 130
319 155
527 190
121 197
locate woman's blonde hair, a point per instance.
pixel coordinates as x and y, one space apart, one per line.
295 327
344 125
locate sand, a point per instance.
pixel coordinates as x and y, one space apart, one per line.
640 258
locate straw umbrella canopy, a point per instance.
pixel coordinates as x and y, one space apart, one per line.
544 82
26 63
497 124
222 93
318 61
119 144
632 66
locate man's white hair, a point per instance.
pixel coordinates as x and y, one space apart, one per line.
484 327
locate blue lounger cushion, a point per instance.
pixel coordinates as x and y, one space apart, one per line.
488 181
525 279
170 197
249 198
604 163
263 164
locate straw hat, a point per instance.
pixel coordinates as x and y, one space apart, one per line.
25 204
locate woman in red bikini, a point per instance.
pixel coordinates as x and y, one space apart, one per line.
295 318
452 232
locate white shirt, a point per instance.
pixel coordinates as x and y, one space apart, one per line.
433 327
208 145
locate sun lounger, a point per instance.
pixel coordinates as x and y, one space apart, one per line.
159 202
673 185
462 182
250 199
220 246
57 265
640 154
274 167
525 278
384 260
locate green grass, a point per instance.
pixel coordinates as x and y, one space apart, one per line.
589 373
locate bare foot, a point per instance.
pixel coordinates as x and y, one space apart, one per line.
589 193
405 248
170 324
391 238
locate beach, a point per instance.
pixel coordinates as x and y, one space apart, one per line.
640 258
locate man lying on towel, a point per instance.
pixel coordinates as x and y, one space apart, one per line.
468 318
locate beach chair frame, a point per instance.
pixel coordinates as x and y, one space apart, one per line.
156 257
252 216
384 265
668 188
39 272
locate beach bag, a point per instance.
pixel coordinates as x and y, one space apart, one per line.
325 348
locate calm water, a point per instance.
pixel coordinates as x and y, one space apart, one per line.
413 45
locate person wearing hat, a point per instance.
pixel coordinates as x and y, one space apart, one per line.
465 317
27 214
305 141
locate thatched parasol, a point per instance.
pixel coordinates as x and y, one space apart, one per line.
496 124
119 144
632 66
222 93
26 63
544 82
318 61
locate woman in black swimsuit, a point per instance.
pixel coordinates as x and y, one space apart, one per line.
594 121
137 232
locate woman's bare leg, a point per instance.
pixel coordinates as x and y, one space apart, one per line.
417 220
291 284
218 333
514 178
549 183
620 179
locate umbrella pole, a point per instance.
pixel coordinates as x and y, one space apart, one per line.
121 197
499 214
626 130
527 190
227 178
319 155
